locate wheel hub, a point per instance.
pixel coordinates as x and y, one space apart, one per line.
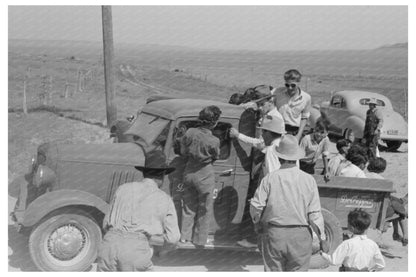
66 242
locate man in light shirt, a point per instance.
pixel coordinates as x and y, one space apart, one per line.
285 203
296 106
140 216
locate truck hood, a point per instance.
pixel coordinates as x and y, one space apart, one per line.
111 153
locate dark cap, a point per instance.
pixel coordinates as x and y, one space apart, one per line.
155 160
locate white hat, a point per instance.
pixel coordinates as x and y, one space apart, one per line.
372 101
273 124
289 149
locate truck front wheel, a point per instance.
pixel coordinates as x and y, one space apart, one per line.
66 241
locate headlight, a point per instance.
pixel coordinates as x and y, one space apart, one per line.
44 176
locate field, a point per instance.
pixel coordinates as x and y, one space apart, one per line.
66 101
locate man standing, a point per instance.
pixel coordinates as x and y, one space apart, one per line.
285 204
272 128
140 216
372 128
297 104
200 148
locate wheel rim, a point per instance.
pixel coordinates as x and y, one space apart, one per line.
67 244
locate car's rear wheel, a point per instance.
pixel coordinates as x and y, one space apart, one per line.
393 145
65 241
333 232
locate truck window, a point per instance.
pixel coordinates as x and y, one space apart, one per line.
148 128
220 131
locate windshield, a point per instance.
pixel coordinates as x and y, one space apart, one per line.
147 128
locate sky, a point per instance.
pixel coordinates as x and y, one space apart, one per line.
219 27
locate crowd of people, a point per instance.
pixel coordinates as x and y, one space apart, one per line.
284 205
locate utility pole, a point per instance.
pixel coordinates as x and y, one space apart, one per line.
108 64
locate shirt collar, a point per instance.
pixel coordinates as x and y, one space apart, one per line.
150 182
361 237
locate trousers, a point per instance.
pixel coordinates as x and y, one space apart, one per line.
286 248
122 251
197 204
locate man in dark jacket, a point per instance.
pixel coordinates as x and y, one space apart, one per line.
372 128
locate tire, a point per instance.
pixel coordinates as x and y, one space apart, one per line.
348 133
333 232
393 145
67 240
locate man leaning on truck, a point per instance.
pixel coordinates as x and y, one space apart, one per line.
285 204
140 216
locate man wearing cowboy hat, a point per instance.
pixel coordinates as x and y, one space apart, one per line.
272 129
140 216
285 204
372 128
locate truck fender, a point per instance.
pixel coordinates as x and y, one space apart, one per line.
356 124
58 199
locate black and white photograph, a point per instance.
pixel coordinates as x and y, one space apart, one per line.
209 137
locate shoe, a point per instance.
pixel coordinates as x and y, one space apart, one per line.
245 243
405 242
397 237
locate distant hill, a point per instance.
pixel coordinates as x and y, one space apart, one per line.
403 45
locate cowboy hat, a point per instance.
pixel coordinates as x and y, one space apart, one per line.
273 124
372 101
288 149
155 160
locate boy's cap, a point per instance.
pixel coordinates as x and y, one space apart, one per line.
273 124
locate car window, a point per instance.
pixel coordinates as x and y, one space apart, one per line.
336 101
364 101
148 128
221 131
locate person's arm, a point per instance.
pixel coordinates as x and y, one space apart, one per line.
306 113
171 234
325 154
379 116
302 125
314 210
338 257
254 142
258 202
378 261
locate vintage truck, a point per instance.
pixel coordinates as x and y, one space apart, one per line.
65 194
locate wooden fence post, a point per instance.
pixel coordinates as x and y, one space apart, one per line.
79 87
25 85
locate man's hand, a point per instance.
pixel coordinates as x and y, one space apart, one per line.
233 133
324 246
249 105
326 177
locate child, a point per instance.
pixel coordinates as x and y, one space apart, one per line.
396 211
315 145
357 253
343 145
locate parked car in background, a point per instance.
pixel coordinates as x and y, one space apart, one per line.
346 110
